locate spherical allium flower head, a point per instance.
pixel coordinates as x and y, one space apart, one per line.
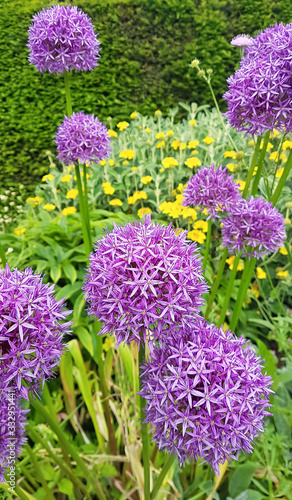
205 394
30 330
61 38
82 138
260 92
255 228
11 431
144 280
212 189
242 41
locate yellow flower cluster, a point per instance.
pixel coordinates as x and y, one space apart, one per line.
69 211
283 251
49 207
160 135
134 115
281 273
193 144
197 235
19 231
116 202
48 177
241 184
230 154
230 263
169 162
230 167
169 133
175 209
193 162
261 274
143 211
72 194
192 122
287 145
122 125
138 195
112 133
146 179
127 154
208 140
107 188
160 145
34 201
275 156
178 145
66 178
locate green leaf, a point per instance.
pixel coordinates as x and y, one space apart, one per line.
78 308
108 470
68 290
241 479
249 495
70 272
56 273
65 486
85 338
270 362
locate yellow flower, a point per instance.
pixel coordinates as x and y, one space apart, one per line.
112 133
269 145
193 144
122 125
283 157
230 263
160 144
34 201
160 135
111 162
197 236
116 202
287 221
193 162
102 163
255 170
169 133
175 145
255 290
107 188
180 188
131 200
251 143
134 115
66 178
158 112
287 145
134 169
208 140
192 122
241 185
282 274
161 170
261 274
140 195
109 341
275 133
146 179
148 130
169 162
69 210
48 177
49 207
188 212
144 211
19 231
72 194
274 156
128 154
230 154
283 251
126 163
230 167
279 172
201 224
69 168
182 145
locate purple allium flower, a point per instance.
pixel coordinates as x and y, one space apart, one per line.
61 38
82 138
255 228
11 430
144 280
260 92
212 189
242 41
30 330
205 394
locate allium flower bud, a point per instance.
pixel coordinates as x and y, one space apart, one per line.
144 280
30 330
206 396
11 430
62 38
255 228
82 138
212 189
242 41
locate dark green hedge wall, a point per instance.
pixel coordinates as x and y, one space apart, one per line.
146 48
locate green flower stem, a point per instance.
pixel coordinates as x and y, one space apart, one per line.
244 284
65 444
38 470
145 435
68 472
252 166
68 93
86 205
2 257
282 180
229 289
260 164
84 223
170 181
216 283
207 247
163 472
220 115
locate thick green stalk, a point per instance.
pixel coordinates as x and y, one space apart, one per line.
282 180
216 283
145 435
260 164
229 289
244 284
84 224
86 205
220 115
207 247
68 93
65 444
163 472
252 166
2 257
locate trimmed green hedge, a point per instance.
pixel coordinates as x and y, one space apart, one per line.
147 46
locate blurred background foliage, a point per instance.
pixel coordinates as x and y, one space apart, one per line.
147 46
